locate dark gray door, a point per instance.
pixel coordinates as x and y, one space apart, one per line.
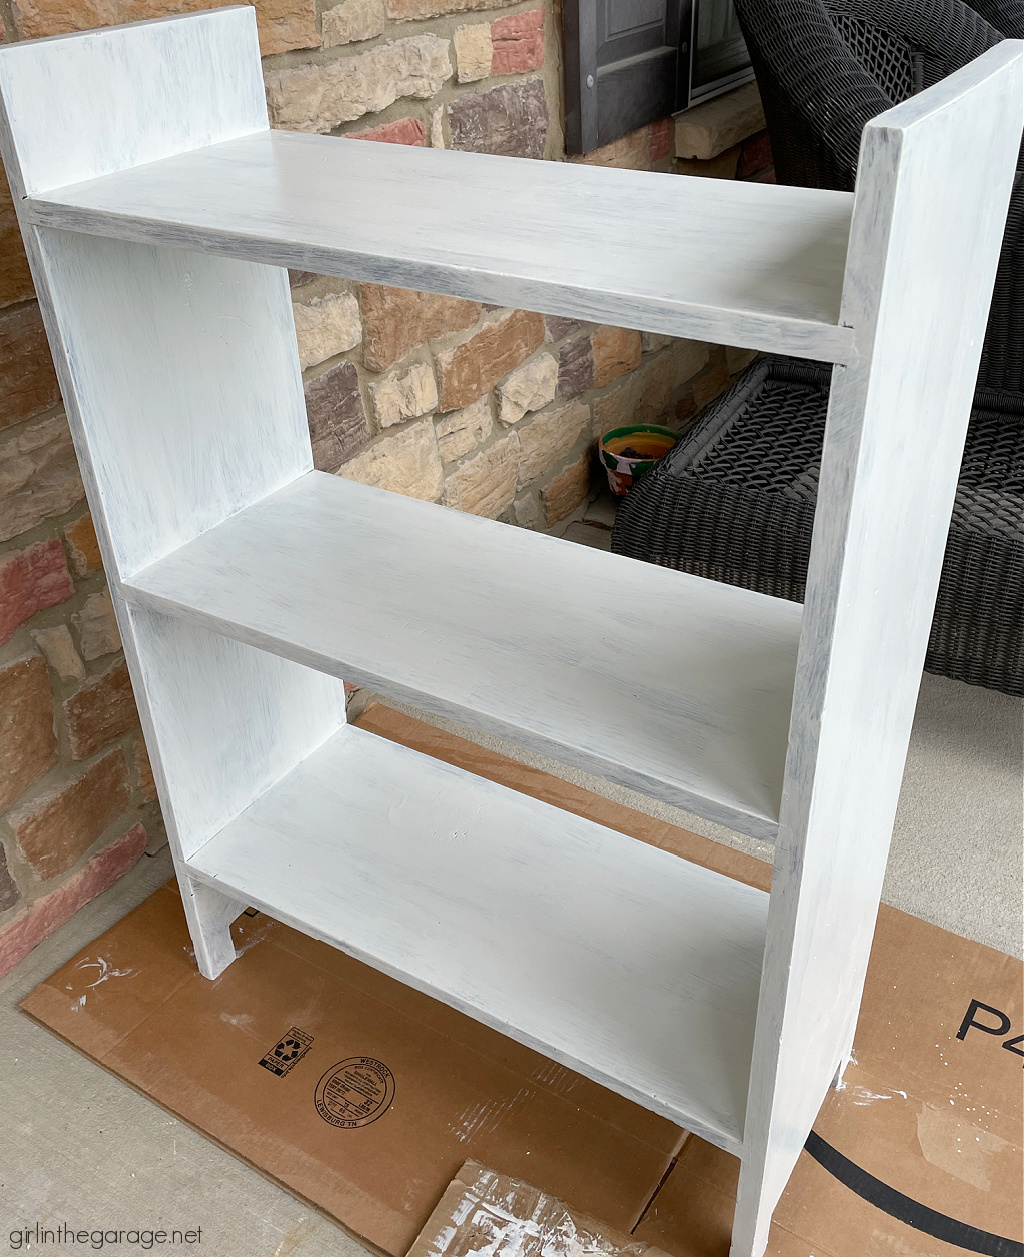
622 66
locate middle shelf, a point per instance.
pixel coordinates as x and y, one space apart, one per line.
666 683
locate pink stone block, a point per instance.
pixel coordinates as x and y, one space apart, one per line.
29 581
48 914
755 156
661 139
402 131
518 43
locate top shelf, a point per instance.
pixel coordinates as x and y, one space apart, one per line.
745 264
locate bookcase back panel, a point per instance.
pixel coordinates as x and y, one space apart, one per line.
121 96
186 383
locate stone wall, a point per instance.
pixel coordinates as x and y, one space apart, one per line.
492 411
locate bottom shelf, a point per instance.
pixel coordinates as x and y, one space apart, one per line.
613 957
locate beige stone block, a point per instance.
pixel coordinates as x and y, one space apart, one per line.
318 97
486 483
38 476
648 395
283 24
326 326
709 129
653 341
405 462
412 10
473 51
548 437
404 395
616 351
59 649
437 127
97 627
568 489
527 510
351 21
724 166
530 387
463 430
629 152
712 383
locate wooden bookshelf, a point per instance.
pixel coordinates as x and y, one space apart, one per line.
158 211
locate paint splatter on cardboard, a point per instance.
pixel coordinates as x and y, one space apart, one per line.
487 1214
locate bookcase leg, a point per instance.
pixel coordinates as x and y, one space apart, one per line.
755 1202
209 915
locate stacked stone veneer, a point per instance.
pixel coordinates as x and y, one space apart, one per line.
493 411
487 410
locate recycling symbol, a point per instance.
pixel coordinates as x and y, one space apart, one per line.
288 1049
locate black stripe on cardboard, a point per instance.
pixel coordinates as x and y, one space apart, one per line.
901 1207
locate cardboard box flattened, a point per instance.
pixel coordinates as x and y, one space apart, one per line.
350 1090
364 1097
920 1152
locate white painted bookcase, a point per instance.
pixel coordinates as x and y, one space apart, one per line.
158 211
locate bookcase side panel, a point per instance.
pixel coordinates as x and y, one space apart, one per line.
227 721
181 382
181 377
88 104
933 189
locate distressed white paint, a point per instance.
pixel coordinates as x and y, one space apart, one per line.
610 955
213 946
666 683
736 263
97 102
933 187
194 402
181 381
230 720
242 565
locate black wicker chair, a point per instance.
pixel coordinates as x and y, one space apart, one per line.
734 501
